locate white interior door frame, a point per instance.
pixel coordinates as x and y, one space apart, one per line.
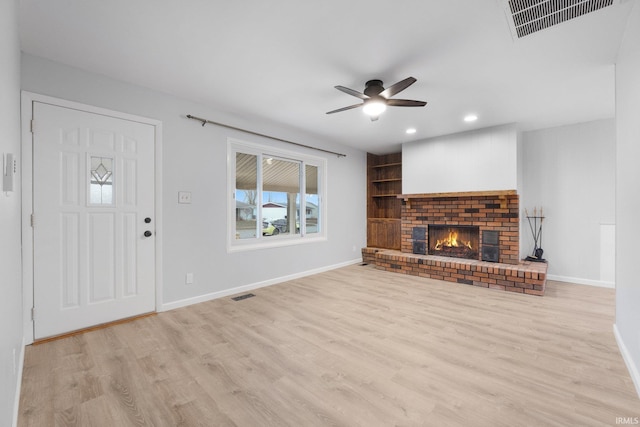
27 100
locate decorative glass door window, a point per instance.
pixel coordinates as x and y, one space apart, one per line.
101 181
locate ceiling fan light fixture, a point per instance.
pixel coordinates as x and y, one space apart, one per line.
376 98
374 107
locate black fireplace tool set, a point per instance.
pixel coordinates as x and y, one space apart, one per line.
535 224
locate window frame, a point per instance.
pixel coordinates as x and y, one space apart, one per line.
261 151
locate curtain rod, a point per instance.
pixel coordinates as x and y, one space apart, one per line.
205 121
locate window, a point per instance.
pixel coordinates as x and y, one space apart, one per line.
101 181
276 197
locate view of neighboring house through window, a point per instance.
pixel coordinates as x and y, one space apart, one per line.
247 192
280 184
312 203
277 196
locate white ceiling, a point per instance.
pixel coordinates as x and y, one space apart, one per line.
279 60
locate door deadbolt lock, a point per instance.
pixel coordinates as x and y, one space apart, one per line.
147 220
147 233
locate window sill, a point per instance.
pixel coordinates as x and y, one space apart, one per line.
280 241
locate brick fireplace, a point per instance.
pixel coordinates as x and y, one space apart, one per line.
494 212
485 226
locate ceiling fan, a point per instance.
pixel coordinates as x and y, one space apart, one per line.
376 98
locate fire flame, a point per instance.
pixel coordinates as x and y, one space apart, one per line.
451 242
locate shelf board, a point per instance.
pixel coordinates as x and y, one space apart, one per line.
387 180
387 165
385 195
385 219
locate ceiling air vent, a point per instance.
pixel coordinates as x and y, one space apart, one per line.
529 16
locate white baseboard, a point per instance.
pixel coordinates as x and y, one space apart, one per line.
631 366
16 403
579 281
220 294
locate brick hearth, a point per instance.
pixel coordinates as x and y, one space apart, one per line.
525 277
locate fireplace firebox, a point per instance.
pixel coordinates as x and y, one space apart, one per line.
459 241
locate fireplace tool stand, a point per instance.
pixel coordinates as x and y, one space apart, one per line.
535 224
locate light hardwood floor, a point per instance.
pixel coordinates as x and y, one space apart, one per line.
349 347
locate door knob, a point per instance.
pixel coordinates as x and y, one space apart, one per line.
147 220
147 233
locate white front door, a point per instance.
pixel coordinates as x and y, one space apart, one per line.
93 223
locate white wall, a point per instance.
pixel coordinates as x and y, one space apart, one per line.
479 160
10 256
628 195
570 172
194 159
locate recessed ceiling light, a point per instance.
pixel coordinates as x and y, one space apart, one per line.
470 118
411 131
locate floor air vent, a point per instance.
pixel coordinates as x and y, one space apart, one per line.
528 16
241 297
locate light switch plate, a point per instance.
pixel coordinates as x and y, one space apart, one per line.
184 197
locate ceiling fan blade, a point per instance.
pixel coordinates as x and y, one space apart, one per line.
405 103
345 108
398 87
352 92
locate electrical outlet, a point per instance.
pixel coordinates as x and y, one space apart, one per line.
189 279
184 197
